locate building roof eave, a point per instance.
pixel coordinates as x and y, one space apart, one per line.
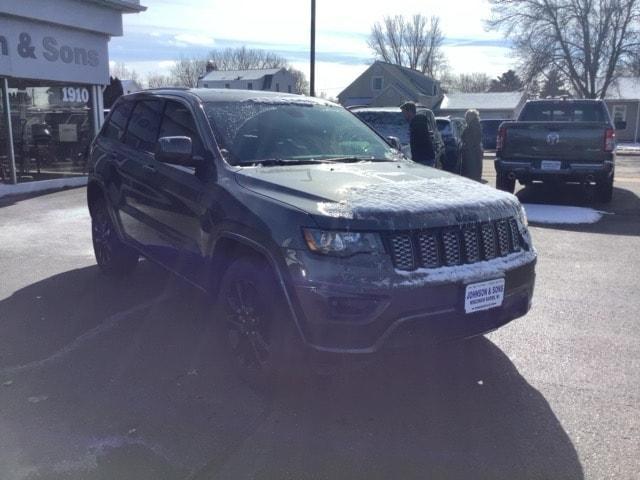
121 5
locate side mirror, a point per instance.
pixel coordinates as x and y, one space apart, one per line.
394 142
176 151
620 125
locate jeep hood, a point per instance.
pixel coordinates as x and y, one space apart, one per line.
379 195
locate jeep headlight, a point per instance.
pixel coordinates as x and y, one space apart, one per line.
523 216
342 244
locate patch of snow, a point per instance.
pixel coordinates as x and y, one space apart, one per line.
447 193
292 100
559 214
629 148
484 270
41 186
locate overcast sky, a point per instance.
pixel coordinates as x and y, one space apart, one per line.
170 29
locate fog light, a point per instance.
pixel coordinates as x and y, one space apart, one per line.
352 306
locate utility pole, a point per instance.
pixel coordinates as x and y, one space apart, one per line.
312 70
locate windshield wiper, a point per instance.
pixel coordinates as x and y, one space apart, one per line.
271 162
356 159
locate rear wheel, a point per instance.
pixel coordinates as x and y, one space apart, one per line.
604 190
504 183
259 332
112 255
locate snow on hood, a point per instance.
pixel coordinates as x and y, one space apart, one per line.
418 196
558 214
380 195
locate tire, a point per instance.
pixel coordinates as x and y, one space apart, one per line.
604 190
259 333
113 257
504 183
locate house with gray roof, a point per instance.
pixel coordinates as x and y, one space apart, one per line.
623 101
270 79
491 105
387 85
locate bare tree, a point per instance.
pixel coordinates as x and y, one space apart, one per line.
587 41
301 85
155 80
120 71
187 71
243 58
414 42
476 82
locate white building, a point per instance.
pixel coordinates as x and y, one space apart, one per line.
272 79
54 61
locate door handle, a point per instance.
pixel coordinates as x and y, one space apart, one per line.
149 168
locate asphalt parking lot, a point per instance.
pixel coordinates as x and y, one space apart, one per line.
105 379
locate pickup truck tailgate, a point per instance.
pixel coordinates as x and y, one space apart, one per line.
580 141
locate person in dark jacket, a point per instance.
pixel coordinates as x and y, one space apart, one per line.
419 137
472 146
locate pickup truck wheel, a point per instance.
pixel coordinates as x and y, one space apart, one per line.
604 190
505 183
259 333
113 257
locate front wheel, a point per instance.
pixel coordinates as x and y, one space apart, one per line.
259 332
504 183
112 255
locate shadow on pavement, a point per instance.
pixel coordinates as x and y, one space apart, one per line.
41 318
10 200
154 397
625 207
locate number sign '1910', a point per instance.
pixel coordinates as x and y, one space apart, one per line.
75 95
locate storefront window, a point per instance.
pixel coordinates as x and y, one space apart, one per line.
4 154
52 128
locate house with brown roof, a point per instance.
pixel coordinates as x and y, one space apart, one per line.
387 85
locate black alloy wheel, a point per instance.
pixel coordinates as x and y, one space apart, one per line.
113 257
260 334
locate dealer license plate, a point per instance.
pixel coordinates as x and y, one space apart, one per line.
484 295
551 165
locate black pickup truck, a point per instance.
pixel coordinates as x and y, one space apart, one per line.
558 141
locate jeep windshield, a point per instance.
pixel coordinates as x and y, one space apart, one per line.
278 133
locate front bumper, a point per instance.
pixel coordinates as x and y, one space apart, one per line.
570 171
341 319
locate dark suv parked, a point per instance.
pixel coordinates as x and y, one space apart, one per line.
390 122
314 234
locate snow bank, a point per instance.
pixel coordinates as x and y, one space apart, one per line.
628 148
451 194
558 214
41 186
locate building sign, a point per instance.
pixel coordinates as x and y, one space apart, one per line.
48 52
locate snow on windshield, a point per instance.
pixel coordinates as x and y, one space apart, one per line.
293 129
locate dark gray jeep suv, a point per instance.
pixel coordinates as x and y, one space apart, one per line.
312 232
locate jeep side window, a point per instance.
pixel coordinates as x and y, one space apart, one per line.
178 122
142 130
115 126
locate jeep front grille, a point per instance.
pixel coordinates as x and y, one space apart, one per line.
445 247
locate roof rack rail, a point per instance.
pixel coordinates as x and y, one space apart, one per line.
164 88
